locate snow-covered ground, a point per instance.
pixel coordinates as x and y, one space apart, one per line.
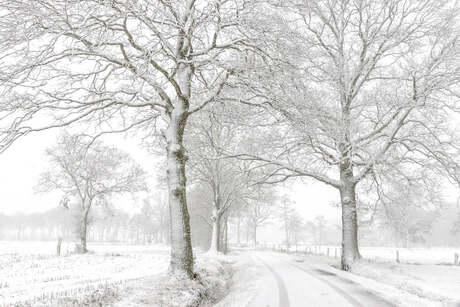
214 277
49 248
415 255
439 284
246 280
396 284
31 273
434 255
418 279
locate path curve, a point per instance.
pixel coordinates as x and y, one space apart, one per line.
287 283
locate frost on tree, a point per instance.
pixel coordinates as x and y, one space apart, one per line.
226 180
120 65
89 173
353 89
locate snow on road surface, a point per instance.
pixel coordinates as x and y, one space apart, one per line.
288 283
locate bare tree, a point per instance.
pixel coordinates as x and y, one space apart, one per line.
297 228
292 223
90 174
362 86
121 65
286 214
227 180
409 209
320 225
260 208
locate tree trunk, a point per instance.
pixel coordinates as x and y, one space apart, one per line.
215 237
84 228
83 233
238 229
224 245
255 235
350 250
247 231
286 229
181 247
58 247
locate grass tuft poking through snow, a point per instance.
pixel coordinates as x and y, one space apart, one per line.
213 272
211 284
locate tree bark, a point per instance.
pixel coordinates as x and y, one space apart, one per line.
181 246
224 245
215 237
255 234
84 227
247 231
58 247
350 250
238 230
83 232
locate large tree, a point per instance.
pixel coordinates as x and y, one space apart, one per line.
356 88
120 65
89 173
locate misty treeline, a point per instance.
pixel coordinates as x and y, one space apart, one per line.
407 227
360 95
104 225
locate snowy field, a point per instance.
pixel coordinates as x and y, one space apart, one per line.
31 273
426 255
434 255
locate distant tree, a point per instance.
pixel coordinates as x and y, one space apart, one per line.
286 215
297 226
200 206
89 173
226 180
260 209
410 211
161 218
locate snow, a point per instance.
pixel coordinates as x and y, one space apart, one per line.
434 255
122 275
415 255
30 272
49 248
437 283
246 281
395 284
404 284
396 296
214 274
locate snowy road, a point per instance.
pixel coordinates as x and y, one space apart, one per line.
288 283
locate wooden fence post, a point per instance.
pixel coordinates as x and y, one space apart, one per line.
456 259
397 256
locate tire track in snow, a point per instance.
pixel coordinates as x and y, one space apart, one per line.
377 299
344 294
283 298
